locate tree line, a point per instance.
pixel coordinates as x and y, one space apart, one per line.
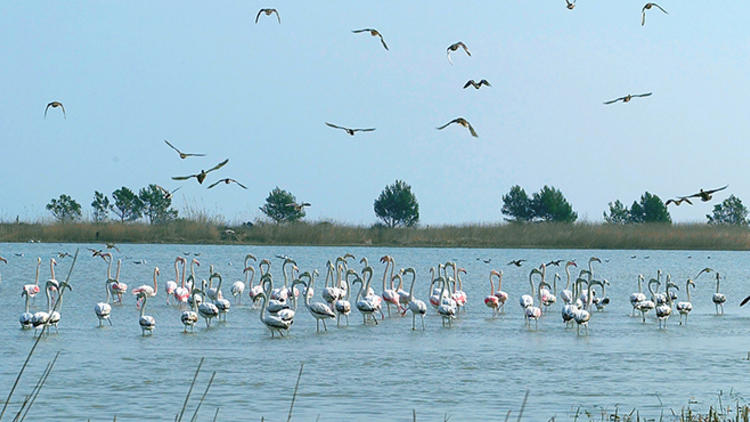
396 206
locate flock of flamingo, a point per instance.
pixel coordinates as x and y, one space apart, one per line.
580 296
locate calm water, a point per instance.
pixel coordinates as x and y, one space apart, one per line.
479 369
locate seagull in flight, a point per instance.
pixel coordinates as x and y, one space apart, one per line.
55 104
348 130
516 262
227 181
627 98
648 6
268 12
182 154
374 33
463 122
476 85
455 46
202 175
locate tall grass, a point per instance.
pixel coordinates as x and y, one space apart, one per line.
206 229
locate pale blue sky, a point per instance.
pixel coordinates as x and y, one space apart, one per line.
204 76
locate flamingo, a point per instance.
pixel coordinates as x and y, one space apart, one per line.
189 317
546 298
601 302
664 310
447 309
288 291
103 310
26 317
117 288
333 293
147 322
171 285
527 303
212 292
435 288
274 305
583 316
459 295
343 306
718 298
403 295
54 283
637 297
273 323
207 309
32 289
416 306
319 310
238 287
390 296
684 308
181 293
41 318
367 305
647 305
146 289
252 291
492 301
567 295
501 296
221 304
54 315
569 310
528 300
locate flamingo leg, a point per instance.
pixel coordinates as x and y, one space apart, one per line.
324 325
422 322
413 321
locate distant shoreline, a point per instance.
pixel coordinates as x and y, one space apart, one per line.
503 236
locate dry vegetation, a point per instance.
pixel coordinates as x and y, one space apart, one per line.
542 235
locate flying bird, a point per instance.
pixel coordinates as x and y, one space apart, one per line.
648 6
374 33
516 262
627 98
298 207
704 195
677 202
202 175
348 130
555 262
268 12
182 154
112 246
55 104
97 252
454 47
167 194
227 181
570 4
476 85
463 122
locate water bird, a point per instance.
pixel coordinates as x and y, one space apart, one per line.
492 301
637 297
516 262
374 33
447 309
103 310
555 262
268 12
350 131
238 287
167 193
227 181
55 104
298 207
147 322
648 6
704 195
183 155
189 317
463 122
146 289
485 260
570 4
677 202
501 296
455 46
32 289
274 323
203 173
26 316
718 298
63 255
97 252
627 98
684 308
476 85
111 245
171 285
207 309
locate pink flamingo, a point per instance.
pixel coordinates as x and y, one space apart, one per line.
501 296
253 291
147 290
461 297
118 288
181 293
492 301
390 296
171 285
32 289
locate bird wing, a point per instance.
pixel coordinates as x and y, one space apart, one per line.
258 15
335 126
643 16
744 301
194 155
471 129
643 95
382 41
63 109
484 81
184 177
469 82
686 200
218 166
47 108
446 125
364 130
614 101
462 45
215 183
172 146
305 204
670 201
357 31
240 184
278 17
716 190
660 8
449 56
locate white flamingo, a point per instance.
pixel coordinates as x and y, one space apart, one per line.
238 287
718 298
603 301
171 285
207 309
501 296
146 289
55 315
40 318
684 308
273 323
223 305
447 309
103 310
664 310
117 288
343 306
26 317
253 291
416 306
189 317
274 306
319 310
567 295
181 293
637 297
330 293
389 295
32 289
367 305
583 316
147 322
528 300
569 310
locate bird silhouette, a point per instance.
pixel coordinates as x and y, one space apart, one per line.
298 207
455 46
704 195
182 154
55 104
627 98
167 194
570 4
476 85
555 262
202 175
268 12
463 122
648 6
677 202
349 130
227 181
516 262
374 33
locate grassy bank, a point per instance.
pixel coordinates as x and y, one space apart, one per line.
578 236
